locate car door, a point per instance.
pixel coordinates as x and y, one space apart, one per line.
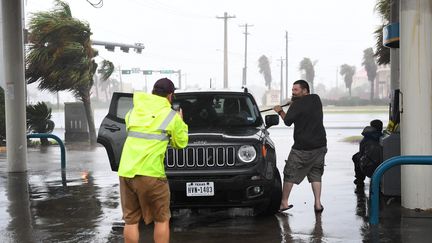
112 131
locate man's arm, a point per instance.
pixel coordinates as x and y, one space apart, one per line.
179 132
289 116
280 111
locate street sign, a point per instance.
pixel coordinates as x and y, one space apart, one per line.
147 72
126 71
136 70
166 71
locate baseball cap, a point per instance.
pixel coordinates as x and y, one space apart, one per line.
164 85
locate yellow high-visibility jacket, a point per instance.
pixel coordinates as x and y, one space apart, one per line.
151 124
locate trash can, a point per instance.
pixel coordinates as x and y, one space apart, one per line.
76 128
391 180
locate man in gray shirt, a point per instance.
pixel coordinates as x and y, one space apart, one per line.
310 144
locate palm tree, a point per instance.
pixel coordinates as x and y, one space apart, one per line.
382 53
39 120
105 71
309 68
348 72
61 56
371 68
264 69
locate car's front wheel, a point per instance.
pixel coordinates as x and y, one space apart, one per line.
275 197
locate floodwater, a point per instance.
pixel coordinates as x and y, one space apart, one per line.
83 205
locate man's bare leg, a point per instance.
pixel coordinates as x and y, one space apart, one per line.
287 187
131 233
316 189
161 232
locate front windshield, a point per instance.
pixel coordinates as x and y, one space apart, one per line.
218 110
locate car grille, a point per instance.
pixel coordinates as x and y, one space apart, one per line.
191 157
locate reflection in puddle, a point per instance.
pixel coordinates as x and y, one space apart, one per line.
288 236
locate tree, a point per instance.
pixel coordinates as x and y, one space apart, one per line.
105 71
348 72
264 69
61 56
382 53
371 68
39 120
309 68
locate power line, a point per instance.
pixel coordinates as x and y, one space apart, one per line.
96 5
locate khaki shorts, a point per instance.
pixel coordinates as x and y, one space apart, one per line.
302 163
144 197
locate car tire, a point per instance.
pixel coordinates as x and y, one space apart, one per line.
275 198
276 194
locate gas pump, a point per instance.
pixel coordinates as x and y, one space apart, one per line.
390 142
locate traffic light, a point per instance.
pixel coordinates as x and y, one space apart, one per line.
109 47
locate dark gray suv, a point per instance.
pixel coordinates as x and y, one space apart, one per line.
230 160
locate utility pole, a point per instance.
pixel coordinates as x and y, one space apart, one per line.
286 65
179 78
120 77
14 84
281 82
225 18
246 33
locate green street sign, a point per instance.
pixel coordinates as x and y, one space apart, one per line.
166 71
147 72
126 71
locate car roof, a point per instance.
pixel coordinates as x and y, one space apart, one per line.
210 91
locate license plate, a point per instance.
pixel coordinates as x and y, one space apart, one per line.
199 189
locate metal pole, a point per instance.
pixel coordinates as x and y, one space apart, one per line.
120 77
225 18
416 87
15 100
246 33
225 50
379 172
179 79
394 52
286 65
281 81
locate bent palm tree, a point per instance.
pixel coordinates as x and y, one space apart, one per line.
348 72
309 68
371 68
264 69
61 56
39 120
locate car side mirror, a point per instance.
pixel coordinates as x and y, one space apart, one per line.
271 120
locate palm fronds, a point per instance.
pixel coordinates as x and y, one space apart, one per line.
308 67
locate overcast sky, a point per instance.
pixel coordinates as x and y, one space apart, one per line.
186 35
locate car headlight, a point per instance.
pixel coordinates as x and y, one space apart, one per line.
247 153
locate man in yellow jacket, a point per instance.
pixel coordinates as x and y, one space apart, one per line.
144 189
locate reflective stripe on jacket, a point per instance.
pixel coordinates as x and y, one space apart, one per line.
151 124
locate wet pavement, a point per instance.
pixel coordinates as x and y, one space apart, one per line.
44 205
